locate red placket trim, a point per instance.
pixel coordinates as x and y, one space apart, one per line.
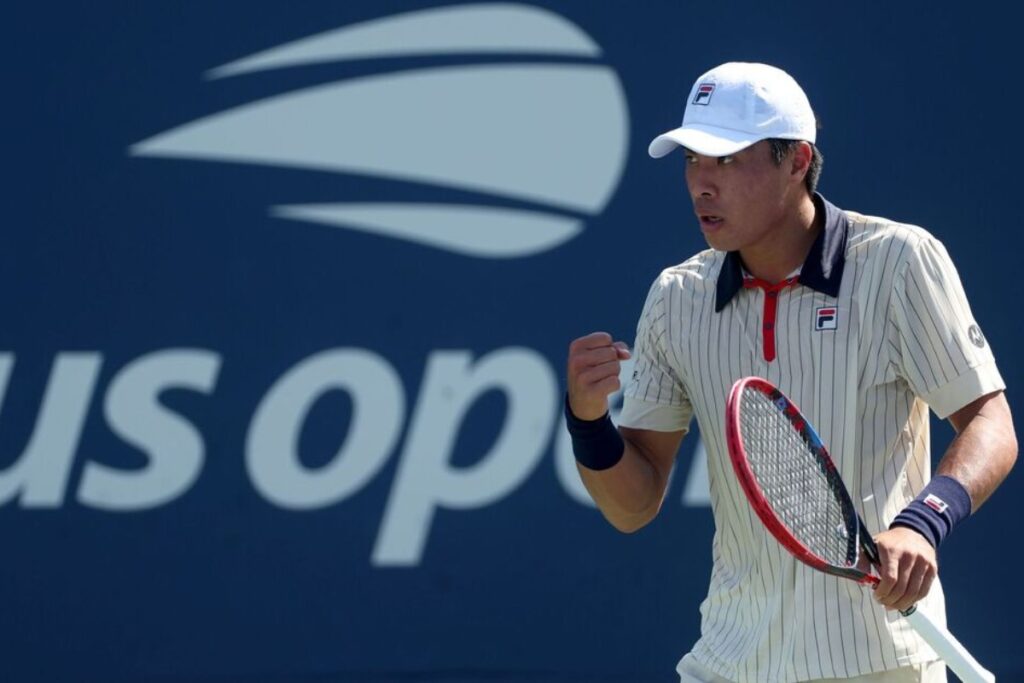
771 305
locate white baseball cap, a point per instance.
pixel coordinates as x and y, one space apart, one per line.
735 105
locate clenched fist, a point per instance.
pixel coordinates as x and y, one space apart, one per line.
593 373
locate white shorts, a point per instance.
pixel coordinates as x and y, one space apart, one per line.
692 671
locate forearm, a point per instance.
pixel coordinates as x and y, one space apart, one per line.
625 470
983 451
977 461
629 494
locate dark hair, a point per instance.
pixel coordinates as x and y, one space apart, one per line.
781 148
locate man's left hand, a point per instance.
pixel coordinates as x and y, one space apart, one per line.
908 567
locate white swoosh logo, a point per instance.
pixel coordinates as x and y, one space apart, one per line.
481 231
473 29
553 135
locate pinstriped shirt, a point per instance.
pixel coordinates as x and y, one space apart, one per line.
876 330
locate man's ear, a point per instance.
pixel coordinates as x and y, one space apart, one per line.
800 160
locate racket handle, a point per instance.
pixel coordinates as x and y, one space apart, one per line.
946 646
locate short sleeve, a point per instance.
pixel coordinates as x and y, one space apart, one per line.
654 397
940 351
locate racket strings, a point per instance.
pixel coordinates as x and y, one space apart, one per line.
794 480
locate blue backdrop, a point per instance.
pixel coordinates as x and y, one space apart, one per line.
288 289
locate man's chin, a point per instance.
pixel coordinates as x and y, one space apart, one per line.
716 242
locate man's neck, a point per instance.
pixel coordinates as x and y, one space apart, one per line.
786 248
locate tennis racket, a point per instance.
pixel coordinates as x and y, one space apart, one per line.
794 487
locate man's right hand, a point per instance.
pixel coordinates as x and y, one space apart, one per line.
593 373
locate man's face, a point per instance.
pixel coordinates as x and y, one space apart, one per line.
739 199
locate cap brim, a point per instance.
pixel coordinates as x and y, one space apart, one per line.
706 140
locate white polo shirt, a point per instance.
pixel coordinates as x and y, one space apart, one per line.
875 330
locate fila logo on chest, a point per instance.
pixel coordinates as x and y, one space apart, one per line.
826 318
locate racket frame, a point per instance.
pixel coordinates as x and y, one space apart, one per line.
855 530
938 637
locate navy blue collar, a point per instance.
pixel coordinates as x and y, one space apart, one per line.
822 271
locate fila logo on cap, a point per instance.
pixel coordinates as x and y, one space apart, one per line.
826 318
703 95
935 503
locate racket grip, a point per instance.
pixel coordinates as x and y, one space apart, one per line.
946 646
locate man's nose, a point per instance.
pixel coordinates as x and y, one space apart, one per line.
701 179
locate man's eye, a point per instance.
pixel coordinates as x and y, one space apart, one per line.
726 160
691 159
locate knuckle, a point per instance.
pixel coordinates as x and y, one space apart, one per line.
587 340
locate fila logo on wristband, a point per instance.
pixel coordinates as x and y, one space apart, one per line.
935 503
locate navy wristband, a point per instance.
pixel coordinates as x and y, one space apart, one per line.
596 444
942 505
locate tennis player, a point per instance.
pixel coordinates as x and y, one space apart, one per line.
863 322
